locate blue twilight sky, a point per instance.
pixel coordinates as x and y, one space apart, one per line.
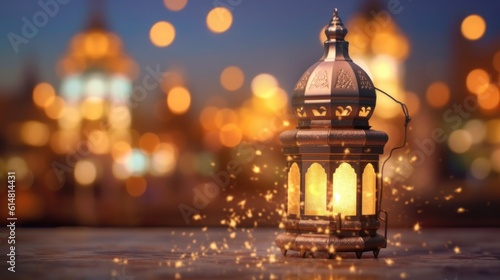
278 37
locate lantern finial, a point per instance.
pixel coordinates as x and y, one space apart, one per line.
336 29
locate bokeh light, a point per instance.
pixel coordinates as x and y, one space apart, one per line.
178 100
162 34
225 116
148 142
477 130
70 119
164 159
19 165
264 85
232 78
488 97
43 94
98 141
35 133
136 162
322 35
438 94
96 44
92 108
414 100
85 172
476 79
480 168
135 186
230 135
495 160
473 27
120 149
207 117
493 131
460 141
219 20
55 109
175 5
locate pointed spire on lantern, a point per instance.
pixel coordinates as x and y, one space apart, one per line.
336 29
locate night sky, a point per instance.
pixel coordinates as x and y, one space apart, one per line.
278 37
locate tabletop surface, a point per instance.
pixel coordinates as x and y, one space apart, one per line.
221 253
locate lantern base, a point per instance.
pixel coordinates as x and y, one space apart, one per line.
330 244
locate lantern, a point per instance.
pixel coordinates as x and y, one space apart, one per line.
333 157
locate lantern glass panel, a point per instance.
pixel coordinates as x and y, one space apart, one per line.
294 190
344 190
315 200
368 197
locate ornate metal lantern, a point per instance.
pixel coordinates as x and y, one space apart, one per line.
333 157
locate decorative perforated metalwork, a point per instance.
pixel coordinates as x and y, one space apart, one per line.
320 80
344 80
364 81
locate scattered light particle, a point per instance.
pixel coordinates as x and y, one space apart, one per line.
389 261
461 210
256 169
402 275
178 264
456 250
416 227
229 198
458 190
213 246
352 268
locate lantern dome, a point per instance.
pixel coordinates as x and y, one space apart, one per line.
335 91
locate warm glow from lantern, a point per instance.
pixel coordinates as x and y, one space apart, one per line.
473 27
315 194
178 100
232 78
175 5
369 192
294 190
219 20
264 85
85 172
344 190
136 186
438 94
162 34
43 95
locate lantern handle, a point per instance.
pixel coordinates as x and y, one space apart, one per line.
407 121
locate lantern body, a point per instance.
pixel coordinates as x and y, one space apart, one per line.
333 157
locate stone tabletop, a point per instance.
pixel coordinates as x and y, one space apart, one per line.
221 253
